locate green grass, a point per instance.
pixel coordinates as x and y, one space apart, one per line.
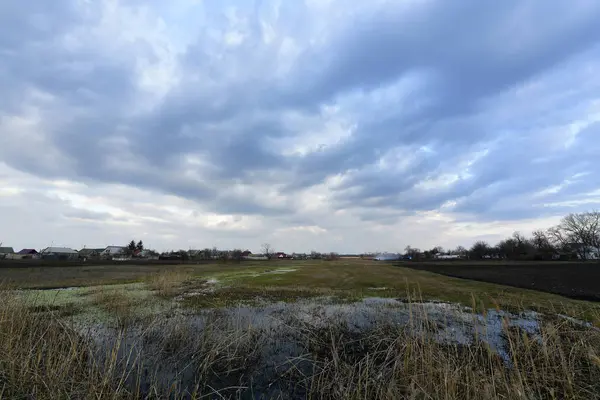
358 279
245 282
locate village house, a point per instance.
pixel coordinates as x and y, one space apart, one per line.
86 253
59 253
6 252
27 254
113 251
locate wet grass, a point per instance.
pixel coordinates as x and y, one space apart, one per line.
289 280
387 361
42 356
170 283
251 296
359 279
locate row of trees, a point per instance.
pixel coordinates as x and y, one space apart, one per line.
577 235
269 253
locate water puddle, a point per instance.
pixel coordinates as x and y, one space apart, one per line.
208 287
281 271
279 328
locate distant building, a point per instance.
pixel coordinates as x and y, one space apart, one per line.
300 256
387 257
113 251
257 257
59 253
447 257
28 252
6 252
90 253
148 254
206 254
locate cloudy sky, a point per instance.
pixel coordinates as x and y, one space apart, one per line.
311 124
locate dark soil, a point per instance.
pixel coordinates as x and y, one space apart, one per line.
577 280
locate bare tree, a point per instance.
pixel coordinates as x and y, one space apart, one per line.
461 251
558 238
520 239
267 250
516 247
540 240
507 248
578 232
183 255
412 252
206 254
237 255
542 244
224 255
480 249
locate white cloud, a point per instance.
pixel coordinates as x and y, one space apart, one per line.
311 125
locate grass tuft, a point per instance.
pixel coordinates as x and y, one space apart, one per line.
169 283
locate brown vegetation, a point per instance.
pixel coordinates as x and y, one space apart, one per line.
43 356
169 282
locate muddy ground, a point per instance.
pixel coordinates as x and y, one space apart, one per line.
577 280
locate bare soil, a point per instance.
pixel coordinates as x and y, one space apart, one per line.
577 280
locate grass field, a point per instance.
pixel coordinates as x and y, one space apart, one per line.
289 329
284 280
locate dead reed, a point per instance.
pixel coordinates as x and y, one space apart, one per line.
169 283
43 356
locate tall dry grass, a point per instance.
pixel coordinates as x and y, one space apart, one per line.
392 362
43 357
116 303
169 283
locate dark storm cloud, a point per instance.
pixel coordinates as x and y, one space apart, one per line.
231 105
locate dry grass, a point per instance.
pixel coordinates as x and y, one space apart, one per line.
169 283
116 302
350 278
44 357
396 363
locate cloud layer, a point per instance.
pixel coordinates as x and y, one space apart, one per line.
314 124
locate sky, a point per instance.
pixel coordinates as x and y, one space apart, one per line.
322 125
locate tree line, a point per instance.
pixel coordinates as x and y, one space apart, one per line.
576 236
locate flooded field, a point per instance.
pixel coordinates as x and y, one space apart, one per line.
278 332
263 350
